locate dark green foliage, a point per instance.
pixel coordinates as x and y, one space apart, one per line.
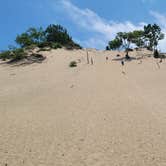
49 45
148 38
24 40
138 38
115 44
126 39
56 45
152 35
18 54
13 55
73 64
32 36
30 47
5 55
57 34
44 44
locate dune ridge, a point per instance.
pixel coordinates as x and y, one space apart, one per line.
92 115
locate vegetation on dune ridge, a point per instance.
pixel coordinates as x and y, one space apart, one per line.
148 38
53 37
56 36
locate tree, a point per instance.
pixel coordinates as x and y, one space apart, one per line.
24 40
37 35
57 34
115 44
153 34
126 38
138 38
32 36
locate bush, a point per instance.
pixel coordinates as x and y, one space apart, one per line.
13 55
30 47
49 44
5 55
18 54
32 36
44 44
56 45
73 64
57 34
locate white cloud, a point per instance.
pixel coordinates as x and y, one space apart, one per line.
103 30
89 20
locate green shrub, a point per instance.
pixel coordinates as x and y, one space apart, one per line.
5 55
73 64
18 54
30 47
57 34
13 55
56 45
32 36
44 44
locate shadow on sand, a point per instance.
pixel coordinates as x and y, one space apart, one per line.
31 59
124 59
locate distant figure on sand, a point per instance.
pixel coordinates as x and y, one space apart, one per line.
106 58
122 63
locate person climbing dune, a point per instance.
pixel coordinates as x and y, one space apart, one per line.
122 63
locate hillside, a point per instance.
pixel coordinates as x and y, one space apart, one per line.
92 115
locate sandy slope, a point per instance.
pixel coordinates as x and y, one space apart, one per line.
52 115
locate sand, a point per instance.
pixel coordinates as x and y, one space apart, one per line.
91 115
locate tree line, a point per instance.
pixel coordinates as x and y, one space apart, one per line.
53 37
148 38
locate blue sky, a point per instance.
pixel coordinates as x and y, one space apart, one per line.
91 23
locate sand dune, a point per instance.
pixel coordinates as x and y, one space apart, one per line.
92 115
